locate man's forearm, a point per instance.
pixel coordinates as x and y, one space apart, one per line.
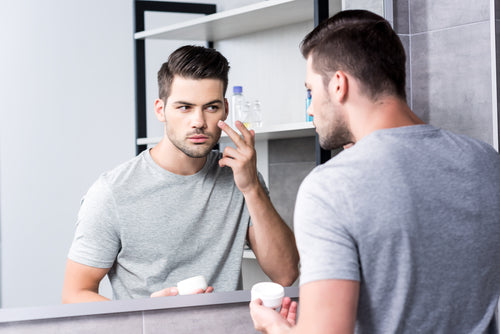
271 239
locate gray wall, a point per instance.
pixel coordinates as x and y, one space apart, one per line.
448 45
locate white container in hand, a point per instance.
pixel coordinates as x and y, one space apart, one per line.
191 285
270 293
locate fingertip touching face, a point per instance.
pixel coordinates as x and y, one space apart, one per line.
328 117
191 113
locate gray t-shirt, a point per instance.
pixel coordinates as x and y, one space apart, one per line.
154 228
413 214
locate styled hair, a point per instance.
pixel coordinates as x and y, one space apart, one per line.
362 44
192 62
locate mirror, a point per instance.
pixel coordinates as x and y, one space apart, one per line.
67 115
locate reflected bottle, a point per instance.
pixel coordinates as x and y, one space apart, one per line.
256 112
237 105
309 118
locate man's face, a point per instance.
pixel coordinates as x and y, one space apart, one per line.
191 114
329 119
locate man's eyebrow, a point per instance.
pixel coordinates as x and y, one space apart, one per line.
183 103
193 104
213 102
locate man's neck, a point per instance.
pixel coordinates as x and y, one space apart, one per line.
170 158
385 113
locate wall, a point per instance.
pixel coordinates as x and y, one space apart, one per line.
66 115
450 73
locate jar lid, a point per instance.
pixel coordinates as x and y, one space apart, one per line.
267 290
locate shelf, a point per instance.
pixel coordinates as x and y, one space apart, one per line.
281 131
235 22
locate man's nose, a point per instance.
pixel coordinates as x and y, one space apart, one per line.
199 120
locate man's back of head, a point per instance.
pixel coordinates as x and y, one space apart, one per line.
362 44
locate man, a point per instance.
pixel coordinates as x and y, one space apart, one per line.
400 232
180 209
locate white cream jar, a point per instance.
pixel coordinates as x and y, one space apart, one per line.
191 285
270 293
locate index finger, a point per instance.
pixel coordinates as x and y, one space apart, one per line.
235 136
248 135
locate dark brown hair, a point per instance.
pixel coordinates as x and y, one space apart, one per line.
193 62
362 44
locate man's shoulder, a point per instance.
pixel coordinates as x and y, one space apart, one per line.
124 171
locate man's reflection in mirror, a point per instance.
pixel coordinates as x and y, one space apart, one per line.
180 209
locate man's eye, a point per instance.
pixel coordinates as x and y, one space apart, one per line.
183 108
212 108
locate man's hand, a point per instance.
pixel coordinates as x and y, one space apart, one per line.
269 321
173 291
242 159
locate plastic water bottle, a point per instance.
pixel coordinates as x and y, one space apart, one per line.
237 105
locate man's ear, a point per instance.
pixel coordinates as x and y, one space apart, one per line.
338 87
160 110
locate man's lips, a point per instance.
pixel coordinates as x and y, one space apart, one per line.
198 138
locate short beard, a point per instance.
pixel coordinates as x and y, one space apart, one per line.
194 154
339 136
191 151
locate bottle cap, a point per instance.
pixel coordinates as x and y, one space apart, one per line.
237 89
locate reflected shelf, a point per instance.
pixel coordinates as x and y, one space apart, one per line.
235 22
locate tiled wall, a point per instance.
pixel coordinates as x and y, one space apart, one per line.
449 74
290 160
497 57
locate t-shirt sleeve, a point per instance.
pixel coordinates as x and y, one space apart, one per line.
96 242
326 247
